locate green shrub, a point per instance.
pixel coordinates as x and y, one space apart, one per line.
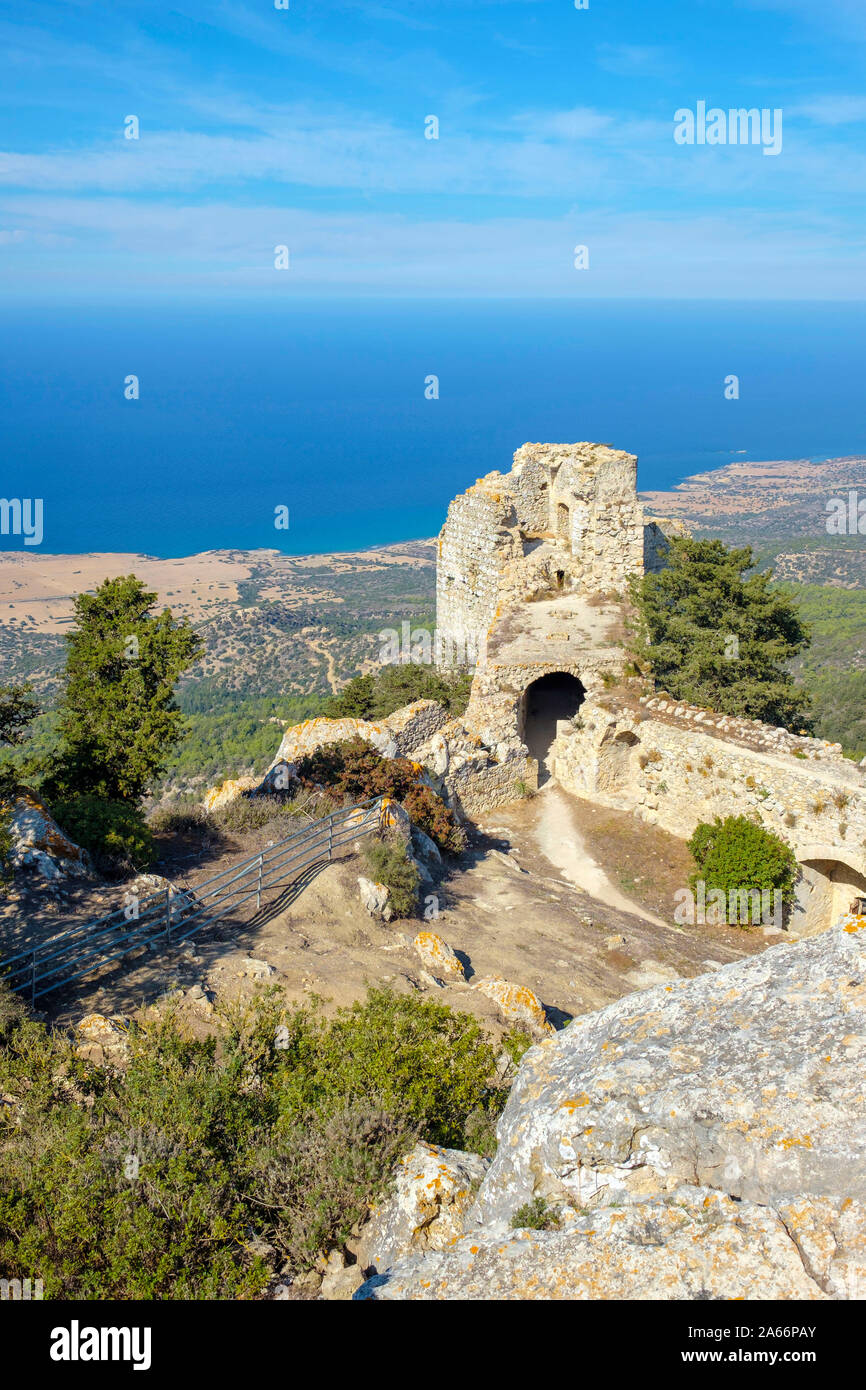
389 864
173 820
200 1167
517 1041
321 1174
737 855
353 769
536 1215
5 850
115 832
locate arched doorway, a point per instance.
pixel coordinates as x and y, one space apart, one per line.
825 890
551 698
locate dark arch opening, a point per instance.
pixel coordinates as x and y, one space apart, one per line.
547 700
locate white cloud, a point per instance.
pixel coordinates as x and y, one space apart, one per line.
120 246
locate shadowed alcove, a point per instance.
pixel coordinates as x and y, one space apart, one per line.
550 698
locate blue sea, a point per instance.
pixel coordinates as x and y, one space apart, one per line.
320 408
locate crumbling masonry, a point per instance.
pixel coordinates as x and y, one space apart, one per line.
533 566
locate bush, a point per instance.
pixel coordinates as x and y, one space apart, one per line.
282 812
202 1166
388 863
172 820
354 769
536 1215
115 832
738 855
320 1176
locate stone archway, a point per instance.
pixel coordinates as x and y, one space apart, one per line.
825 890
555 696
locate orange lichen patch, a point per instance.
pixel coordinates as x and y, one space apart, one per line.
516 1002
792 1143
438 955
852 924
576 1104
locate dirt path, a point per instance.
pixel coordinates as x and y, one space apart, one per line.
557 836
331 673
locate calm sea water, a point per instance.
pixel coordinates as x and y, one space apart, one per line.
321 408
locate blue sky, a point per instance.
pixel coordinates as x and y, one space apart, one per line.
261 127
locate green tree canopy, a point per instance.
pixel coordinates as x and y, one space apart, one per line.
118 717
718 636
17 711
379 694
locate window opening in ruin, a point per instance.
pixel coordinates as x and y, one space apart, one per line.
555 696
560 578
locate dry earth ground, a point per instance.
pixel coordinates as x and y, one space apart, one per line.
504 907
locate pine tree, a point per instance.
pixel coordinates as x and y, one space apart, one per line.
118 717
715 635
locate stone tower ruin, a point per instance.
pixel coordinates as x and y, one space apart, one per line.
532 569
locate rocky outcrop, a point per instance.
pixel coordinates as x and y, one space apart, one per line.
703 1139
398 736
375 898
39 843
516 1003
229 791
438 957
433 1190
699 1245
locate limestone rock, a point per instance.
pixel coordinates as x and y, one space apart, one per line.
425 849
183 900
395 818
375 898
97 1028
438 956
746 1079
228 791
103 1039
433 1191
698 1245
257 969
516 1003
341 1280
39 843
706 1138
303 739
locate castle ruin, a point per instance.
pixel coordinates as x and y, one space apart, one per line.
533 566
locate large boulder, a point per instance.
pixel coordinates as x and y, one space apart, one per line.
438 957
398 736
516 1003
39 843
699 1245
433 1189
720 1121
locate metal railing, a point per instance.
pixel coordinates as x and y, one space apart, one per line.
162 919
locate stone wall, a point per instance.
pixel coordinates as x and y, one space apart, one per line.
676 766
474 544
576 501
